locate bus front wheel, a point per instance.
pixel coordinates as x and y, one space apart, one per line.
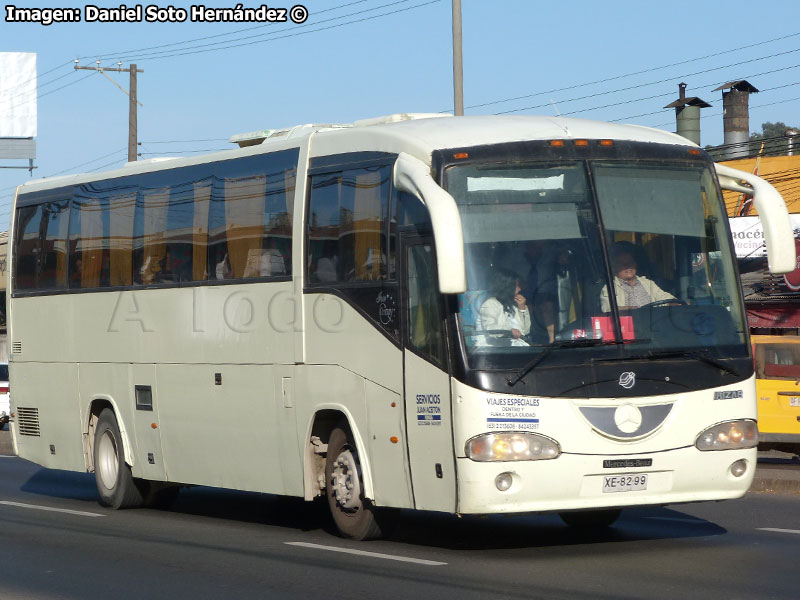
353 516
115 483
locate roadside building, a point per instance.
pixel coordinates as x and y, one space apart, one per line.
772 301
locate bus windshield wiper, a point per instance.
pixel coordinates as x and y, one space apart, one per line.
701 355
534 362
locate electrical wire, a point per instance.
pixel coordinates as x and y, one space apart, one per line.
208 37
685 76
58 89
288 35
650 70
226 44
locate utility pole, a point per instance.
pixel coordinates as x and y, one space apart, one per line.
132 111
458 70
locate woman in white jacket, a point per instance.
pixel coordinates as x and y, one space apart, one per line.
505 309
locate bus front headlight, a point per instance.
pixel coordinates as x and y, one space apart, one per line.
730 435
490 447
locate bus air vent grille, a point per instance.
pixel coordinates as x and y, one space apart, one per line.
27 420
16 348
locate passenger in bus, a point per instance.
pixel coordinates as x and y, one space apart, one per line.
272 262
553 290
165 273
506 309
632 290
223 269
75 273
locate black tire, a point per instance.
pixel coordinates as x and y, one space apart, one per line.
115 484
591 519
354 517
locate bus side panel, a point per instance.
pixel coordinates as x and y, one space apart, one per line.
338 334
109 382
390 472
328 387
47 425
359 355
225 434
290 451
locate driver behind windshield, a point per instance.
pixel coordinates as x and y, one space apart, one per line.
504 310
632 290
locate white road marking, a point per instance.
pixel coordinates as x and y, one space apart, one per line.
418 561
51 509
797 531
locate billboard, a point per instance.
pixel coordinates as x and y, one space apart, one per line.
758 283
17 94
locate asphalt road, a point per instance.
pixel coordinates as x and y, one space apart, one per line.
57 543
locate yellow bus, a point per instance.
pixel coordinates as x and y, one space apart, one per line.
777 364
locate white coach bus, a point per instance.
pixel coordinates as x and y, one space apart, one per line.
407 312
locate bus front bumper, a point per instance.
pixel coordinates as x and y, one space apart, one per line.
575 482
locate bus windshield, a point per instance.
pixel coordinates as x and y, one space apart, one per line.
592 256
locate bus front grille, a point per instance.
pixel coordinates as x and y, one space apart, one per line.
27 420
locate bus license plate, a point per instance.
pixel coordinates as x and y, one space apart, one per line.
624 483
794 401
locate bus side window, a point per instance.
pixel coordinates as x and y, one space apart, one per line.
424 317
53 270
28 247
347 225
88 239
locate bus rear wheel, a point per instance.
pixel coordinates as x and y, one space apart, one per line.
354 517
115 484
591 519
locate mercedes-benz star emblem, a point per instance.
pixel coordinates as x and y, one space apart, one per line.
628 418
627 379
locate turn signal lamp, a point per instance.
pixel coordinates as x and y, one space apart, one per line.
730 435
491 447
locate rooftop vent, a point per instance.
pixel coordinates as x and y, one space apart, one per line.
687 114
397 117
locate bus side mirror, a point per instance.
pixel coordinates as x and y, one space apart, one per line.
772 211
414 176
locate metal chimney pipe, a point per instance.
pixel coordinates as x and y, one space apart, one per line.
736 118
687 114
791 136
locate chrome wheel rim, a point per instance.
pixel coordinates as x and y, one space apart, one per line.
107 460
345 481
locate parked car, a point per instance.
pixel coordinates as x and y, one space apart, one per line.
5 406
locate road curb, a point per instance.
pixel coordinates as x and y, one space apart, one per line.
775 486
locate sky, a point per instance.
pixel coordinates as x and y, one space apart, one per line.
616 60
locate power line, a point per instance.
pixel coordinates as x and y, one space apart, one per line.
208 37
288 35
225 44
655 83
53 91
607 79
707 115
38 76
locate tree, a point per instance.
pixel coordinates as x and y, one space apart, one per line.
773 136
